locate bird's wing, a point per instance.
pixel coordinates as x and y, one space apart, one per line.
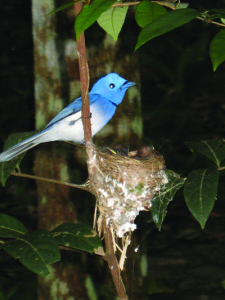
71 109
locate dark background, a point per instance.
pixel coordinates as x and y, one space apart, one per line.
182 100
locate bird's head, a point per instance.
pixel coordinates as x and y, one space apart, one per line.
112 86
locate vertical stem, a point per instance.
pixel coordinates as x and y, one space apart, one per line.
84 80
110 257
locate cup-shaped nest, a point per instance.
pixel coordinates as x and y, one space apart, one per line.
125 185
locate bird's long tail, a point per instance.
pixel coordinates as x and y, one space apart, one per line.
23 146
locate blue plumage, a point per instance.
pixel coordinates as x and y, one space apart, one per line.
105 95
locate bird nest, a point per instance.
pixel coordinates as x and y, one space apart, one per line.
124 185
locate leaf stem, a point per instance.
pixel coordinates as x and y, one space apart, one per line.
221 168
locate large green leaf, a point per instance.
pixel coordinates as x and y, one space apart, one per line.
217 49
200 192
89 14
161 200
11 227
166 23
7 167
35 251
79 236
147 11
112 20
213 149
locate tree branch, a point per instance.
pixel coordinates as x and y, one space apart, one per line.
110 257
84 80
84 77
168 4
84 186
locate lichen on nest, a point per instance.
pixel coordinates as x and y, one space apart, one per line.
124 185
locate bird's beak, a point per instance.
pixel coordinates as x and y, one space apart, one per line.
127 84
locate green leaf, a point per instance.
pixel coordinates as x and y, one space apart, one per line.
166 23
217 13
7 167
11 227
161 200
147 11
112 20
213 149
217 49
182 5
35 251
79 236
200 192
90 13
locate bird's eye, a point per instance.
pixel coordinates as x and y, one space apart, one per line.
112 85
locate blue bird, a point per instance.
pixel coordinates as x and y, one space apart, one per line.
106 94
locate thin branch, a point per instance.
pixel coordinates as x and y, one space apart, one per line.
120 4
174 7
84 80
211 22
84 77
110 257
221 168
170 5
84 186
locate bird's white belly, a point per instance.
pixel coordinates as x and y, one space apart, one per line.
71 128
